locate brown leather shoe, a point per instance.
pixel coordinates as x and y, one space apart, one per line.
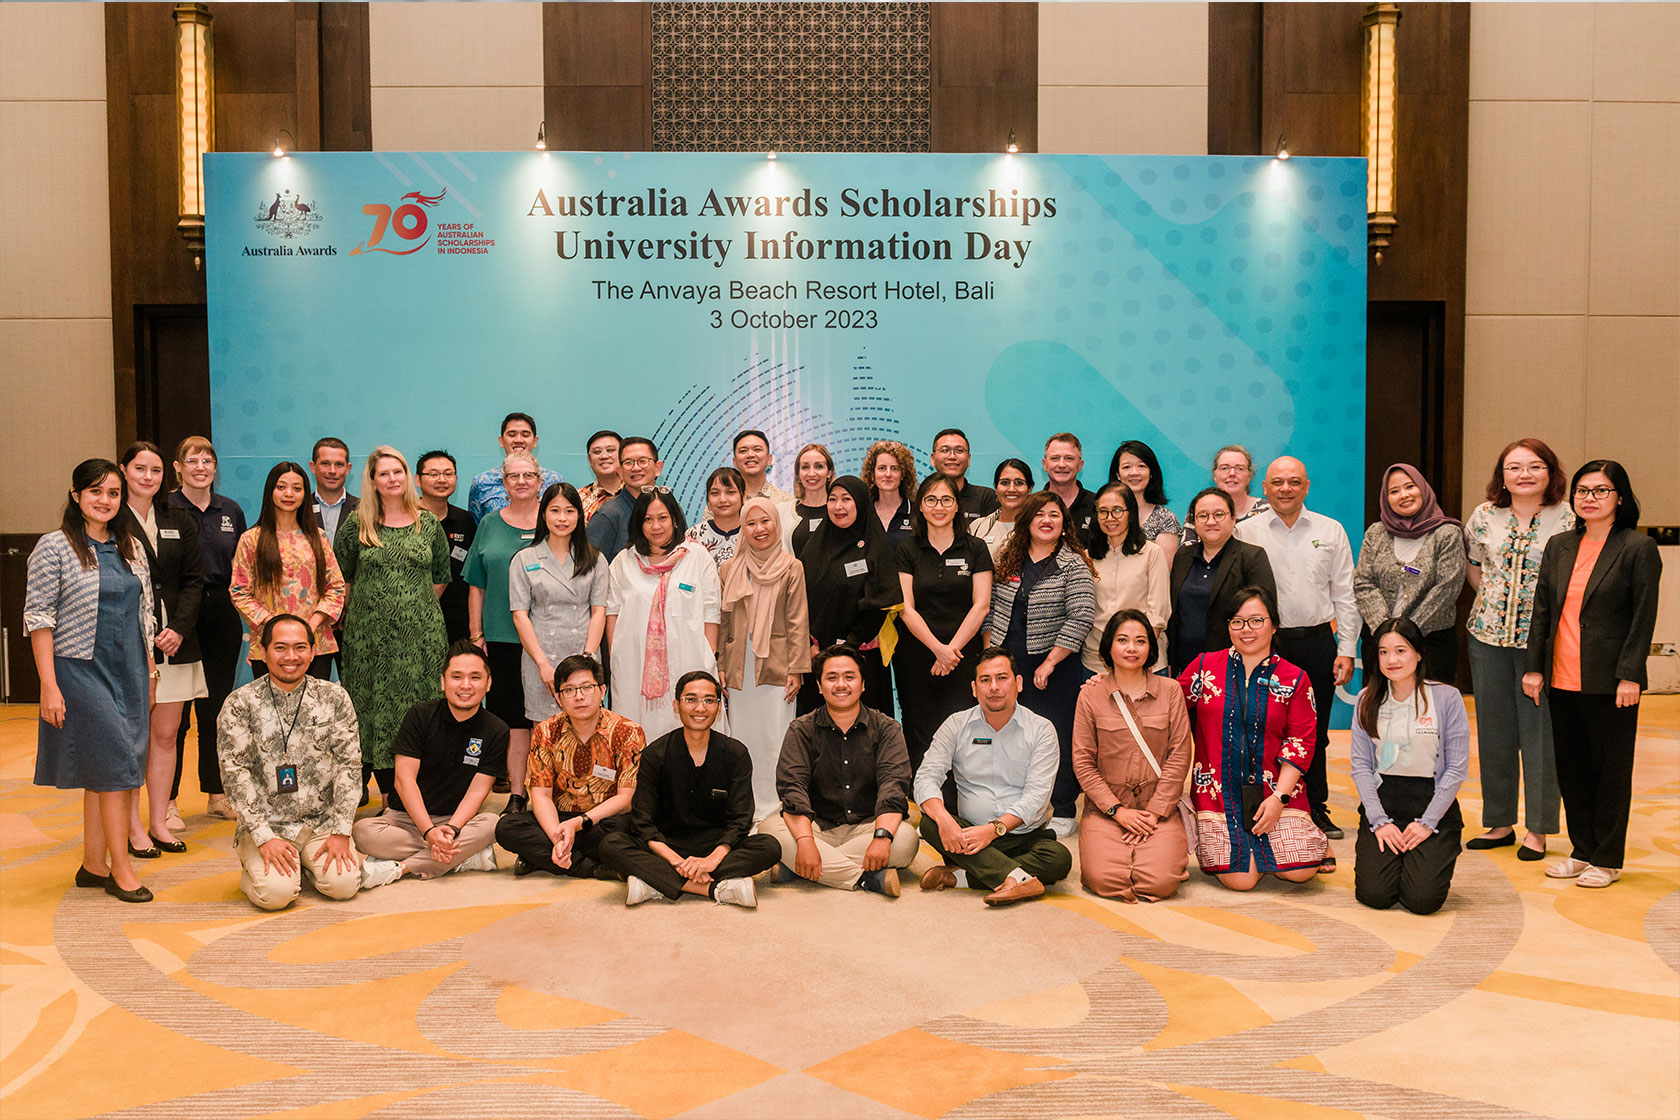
939 878
1015 891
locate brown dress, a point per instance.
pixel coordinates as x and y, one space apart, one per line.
1112 770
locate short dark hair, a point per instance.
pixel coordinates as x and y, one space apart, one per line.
420 463
693 675
838 649
1209 492
1015 464
628 440
1152 490
512 416
266 637
943 432
992 653
602 434
639 512
1135 541
464 647
1266 597
1627 510
741 435
959 523
328 441
1128 614
578 663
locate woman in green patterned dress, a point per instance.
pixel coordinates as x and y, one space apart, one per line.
395 557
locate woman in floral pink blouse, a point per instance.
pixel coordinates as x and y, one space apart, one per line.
285 565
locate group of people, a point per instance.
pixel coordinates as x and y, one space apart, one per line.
688 707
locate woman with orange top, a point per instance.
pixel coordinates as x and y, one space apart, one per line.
1594 611
285 566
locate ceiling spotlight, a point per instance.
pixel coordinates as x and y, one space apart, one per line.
1283 147
542 136
1012 147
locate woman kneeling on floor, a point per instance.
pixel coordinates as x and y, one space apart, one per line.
1411 752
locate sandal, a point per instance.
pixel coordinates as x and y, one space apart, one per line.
1327 866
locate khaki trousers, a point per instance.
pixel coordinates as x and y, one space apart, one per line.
394 835
842 848
275 890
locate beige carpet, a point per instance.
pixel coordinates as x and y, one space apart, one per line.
484 996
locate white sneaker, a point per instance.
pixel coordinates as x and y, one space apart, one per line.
1064 827
1567 869
1598 876
736 892
637 892
482 860
379 872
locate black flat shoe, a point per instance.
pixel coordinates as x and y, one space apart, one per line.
1530 855
138 894
515 804
145 853
521 868
86 878
176 846
1482 844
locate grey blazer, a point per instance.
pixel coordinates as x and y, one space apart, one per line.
1384 588
1618 610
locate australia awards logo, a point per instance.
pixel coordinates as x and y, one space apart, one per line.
409 223
288 216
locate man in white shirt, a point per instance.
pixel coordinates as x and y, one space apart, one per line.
329 462
1003 758
1312 562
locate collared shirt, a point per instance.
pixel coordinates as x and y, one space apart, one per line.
331 514
840 777
488 494
693 808
1509 558
452 752
582 775
609 529
1010 769
220 525
313 728
594 497
976 502
1312 562
1082 511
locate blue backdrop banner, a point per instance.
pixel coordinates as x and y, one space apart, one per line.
414 298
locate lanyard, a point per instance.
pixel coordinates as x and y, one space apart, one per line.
1242 717
297 713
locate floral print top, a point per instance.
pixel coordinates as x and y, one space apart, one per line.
1509 558
296 594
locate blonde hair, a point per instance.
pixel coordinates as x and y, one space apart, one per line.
372 507
906 466
187 447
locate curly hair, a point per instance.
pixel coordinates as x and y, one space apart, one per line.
906 464
1013 556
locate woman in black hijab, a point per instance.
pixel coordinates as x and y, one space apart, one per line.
851 579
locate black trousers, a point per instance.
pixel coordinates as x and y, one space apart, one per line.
924 699
219 634
1418 879
1312 649
520 834
628 856
1594 744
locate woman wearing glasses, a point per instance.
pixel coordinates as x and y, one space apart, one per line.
1506 537
1594 612
395 559
502 533
662 613
946 576
1233 472
1013 481
1130 575
1411 565
1206 576
1251 713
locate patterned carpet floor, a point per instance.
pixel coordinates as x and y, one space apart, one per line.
479 995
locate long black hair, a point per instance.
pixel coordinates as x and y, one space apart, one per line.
1135 541
91 472
959 523
1377 687
1152 490
583 553
268 574
638 518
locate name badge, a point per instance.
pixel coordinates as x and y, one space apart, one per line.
856 568
956 562
285 778
528 536
457 553
812 523
982 742
169 534
689 587
1411 571
606 773
533 567
475 752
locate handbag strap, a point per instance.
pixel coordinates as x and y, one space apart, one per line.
1120 702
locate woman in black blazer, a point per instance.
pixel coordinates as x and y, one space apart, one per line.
1595 608
170 538
1206 577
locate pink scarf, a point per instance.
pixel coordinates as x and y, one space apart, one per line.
753 576
656 656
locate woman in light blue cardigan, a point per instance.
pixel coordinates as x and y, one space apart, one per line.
1411 753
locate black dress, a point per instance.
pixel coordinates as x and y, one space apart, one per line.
851 579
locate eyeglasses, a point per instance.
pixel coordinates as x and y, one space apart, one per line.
1253 623
198 461
698 701
447 474
1525 468
939 501
644 461
662 491
576 690
1233 468
951 449
522 476
1213 518
1596 493
1013 484
1111 513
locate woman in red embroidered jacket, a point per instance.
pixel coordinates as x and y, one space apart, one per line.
1251 714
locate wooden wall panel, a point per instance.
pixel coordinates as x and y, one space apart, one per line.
1234 42
598 76
985 76
346 79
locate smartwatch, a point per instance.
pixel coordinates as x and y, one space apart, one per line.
1283 798
883 834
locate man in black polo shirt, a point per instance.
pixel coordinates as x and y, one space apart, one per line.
951 458
435 471
448 754
844 780
1064 458
691 811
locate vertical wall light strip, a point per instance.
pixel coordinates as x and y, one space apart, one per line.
195 118
1377 114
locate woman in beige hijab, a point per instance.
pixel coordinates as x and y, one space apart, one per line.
764 643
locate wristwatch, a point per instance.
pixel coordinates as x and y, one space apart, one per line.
997 827
883 834
1283 798
1111 810
585 823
